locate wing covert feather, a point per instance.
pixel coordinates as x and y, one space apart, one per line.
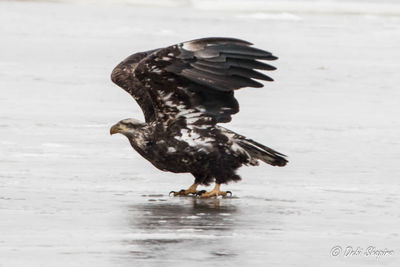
193 81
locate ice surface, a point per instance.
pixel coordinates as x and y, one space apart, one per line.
71 195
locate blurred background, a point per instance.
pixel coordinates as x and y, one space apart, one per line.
70 195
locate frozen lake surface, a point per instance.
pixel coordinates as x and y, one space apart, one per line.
71 195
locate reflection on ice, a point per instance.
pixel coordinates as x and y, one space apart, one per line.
189 213
176 224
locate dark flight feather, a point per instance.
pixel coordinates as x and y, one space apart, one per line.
231 62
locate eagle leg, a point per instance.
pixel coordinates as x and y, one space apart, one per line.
183 192
215 192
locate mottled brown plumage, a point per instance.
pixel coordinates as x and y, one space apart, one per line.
185 90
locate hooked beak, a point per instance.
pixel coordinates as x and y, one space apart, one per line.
115 129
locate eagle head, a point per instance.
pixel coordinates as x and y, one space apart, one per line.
127 127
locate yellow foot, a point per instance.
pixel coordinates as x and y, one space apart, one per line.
214 193
183 192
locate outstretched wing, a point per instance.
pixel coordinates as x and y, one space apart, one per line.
194 81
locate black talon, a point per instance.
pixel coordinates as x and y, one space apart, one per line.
229 192
199 193
180 193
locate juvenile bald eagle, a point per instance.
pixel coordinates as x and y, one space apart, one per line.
185 90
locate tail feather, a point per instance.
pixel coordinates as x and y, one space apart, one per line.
261 152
